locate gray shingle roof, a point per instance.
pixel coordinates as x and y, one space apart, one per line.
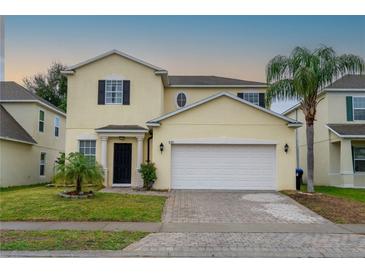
210 81
11 129
121 127
10 90
348 129
348 82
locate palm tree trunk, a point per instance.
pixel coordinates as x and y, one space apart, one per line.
78 185
310 155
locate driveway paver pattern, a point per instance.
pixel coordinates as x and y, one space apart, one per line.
249 245
236 207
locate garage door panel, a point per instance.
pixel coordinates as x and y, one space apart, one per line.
223 167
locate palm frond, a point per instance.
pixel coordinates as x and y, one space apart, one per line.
277 69
281 90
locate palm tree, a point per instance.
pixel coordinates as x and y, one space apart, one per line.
302 76
76 168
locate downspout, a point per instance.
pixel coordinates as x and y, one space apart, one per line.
148 147
297 140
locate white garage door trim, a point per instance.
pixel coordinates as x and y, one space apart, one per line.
204 166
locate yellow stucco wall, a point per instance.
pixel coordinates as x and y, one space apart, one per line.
20 162
196 94
84 115
146 94
225 117
337 109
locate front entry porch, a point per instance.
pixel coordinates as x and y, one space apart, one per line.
121 154
347 163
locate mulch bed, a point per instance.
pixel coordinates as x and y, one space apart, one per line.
335 209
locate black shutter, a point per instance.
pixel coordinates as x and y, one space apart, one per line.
126 92
262 100
101 92
240 95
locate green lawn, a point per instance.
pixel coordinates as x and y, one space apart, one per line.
67 240
347 193
40 203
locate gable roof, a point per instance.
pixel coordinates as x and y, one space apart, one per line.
12 92
348 130
189 81
156 121
10 129
348 82
70 69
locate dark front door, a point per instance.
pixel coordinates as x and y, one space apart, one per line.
122 164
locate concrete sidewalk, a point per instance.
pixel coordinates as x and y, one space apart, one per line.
187 227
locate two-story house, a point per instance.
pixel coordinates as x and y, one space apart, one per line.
32 134
202 132
339 134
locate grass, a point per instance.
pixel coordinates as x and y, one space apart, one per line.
40 203
340 205
347 193
67 240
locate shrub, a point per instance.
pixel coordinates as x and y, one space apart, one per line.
148 173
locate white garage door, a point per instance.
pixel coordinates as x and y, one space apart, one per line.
250 167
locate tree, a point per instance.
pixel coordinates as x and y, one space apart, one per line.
302 76
76 168
51 86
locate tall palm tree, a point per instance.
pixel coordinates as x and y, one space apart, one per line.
301 76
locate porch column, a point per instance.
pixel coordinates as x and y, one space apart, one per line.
103 159
139 182
346 164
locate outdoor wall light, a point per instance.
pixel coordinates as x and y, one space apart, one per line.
161 147
286 148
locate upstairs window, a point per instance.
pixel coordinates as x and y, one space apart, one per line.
252 97
359 159
41 121
88 147
57 126
42 164
181 99
359 108
113 92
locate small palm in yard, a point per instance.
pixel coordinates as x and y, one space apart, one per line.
302 76
78 170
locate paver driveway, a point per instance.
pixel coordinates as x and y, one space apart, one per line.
236 207
249 245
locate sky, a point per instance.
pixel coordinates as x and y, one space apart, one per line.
229 46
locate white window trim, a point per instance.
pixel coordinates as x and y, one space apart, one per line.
55 126
44 164
121 103
186 96
44 119
253 92
354 159
353 107
79 146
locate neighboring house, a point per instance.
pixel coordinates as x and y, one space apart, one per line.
339 134
198 130
32 134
